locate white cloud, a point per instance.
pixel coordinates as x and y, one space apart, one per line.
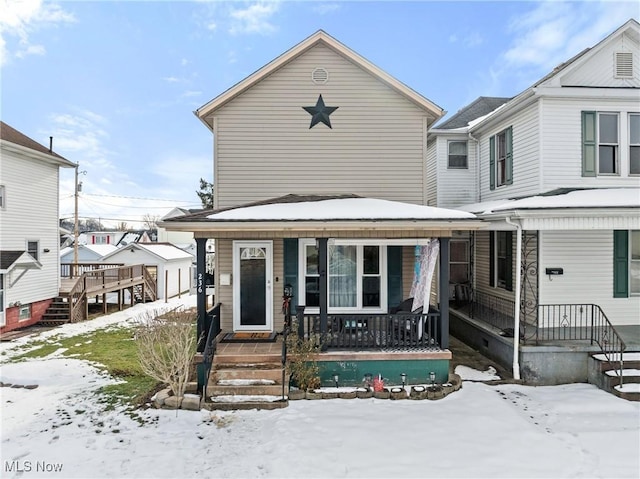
20 18
552 33
172 79
254 19
325 8
190 93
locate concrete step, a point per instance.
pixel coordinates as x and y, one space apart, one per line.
249 360
214 390
629 376
630 392
273 374
631 360
246 402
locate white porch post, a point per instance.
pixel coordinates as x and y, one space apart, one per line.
516 313
444 293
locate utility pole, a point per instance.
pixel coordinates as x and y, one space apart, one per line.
75 216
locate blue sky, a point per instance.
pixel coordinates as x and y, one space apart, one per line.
116 83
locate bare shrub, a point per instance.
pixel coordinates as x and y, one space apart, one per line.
166 344
301 364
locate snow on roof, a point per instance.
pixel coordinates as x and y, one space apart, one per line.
100 249
594 198
339 209
164 250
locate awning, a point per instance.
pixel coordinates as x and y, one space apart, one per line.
17 259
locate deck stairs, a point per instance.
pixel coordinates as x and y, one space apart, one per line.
57 313
247 381
606 375
138 296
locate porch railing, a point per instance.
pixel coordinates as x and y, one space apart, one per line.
582 322
207 345
374 331
494 310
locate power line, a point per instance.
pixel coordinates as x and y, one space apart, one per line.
137 198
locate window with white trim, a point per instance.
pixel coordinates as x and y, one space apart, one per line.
356 276
608 140
634 143
634 262
32 249
459 261
457 155
24 312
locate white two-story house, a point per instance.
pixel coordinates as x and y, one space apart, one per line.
555 171
29 236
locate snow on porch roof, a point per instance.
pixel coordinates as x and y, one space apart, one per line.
562 199
337 208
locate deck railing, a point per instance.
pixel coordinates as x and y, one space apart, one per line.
374 331
207 345
75 270
557 322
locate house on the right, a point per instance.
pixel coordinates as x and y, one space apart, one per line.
555 173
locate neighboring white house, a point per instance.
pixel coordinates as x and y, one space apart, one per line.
29 234
117 238
558 171
87 253
175 237
170 265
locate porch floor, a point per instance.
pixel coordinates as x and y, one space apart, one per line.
272 352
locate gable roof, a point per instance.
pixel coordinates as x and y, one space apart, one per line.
318 38
163 251
11 135
630 25
10 259
474 110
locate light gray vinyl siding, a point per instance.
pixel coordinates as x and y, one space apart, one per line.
265 148
600 70
562 149
31 214
224 294
584 281
526 156
456 186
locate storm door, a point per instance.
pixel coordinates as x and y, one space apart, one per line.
252 289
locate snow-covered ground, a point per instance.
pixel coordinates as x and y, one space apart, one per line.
480 431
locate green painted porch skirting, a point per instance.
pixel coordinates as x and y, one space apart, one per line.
351 372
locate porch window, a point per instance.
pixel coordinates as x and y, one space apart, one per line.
501 259
459 261
311 276
634 144
3 201
634 263
356 276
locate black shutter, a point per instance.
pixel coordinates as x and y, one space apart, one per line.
492 258
492 163
509 272
290 259
620 264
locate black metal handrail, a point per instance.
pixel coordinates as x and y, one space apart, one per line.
493 310
369 331
213 319
582 322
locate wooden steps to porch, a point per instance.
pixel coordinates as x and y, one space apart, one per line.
610 372
247 376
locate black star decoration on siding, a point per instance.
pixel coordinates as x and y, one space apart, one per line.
320 113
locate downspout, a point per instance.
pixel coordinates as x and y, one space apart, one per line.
516 315
477 164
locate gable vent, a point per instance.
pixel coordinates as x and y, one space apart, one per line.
319 76
624 64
